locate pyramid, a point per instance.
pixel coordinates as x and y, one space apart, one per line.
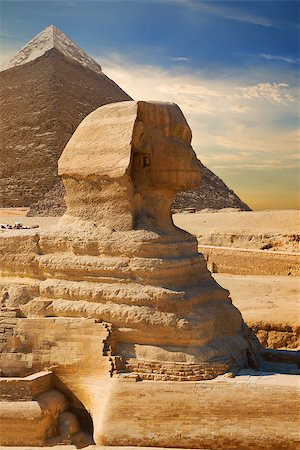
46 91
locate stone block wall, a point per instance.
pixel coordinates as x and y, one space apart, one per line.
171 371
25 389
250 262
246 412
8 321
54 342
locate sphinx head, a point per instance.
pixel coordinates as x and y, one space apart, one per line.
126 162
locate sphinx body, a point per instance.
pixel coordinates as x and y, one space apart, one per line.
116 255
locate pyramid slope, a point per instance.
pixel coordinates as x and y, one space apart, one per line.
52 37
43 103
212 193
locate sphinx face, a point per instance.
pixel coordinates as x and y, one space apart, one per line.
175 165
162 155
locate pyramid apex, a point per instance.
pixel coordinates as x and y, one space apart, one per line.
52 37
53 28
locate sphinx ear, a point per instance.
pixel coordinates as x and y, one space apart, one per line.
138 134
140 160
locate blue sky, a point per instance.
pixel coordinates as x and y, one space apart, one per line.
233 68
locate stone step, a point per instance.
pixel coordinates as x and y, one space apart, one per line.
9 312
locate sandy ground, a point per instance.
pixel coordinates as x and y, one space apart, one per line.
272 230
270 299
12 212
12 215
283 221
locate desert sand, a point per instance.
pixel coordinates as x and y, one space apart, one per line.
272 299
280 221
13 212
269 304
271 230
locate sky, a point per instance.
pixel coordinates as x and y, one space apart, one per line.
231 66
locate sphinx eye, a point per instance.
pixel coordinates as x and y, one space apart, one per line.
146 161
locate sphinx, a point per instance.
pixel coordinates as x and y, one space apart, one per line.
117 306
116 255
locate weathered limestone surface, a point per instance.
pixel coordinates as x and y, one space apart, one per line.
31 422
55 342
247 412
41 406
32 411
243 412
115 294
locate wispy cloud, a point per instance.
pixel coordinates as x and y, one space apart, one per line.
243 160
180 58
239 109
276 92
191 96
280 58
10 37
228 11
